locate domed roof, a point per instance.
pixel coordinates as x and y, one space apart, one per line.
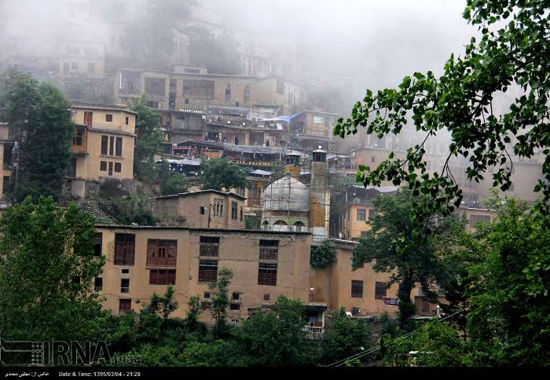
286 194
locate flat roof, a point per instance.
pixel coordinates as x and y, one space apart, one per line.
102 107
192 193
208 230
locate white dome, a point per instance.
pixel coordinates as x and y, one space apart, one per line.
286 194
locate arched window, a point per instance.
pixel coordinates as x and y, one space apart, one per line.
280 223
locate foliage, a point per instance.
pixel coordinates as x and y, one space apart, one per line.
220 300
322 255
276 337
345 337
215 53
128 209
151 32
509 318
149 137
436 344
510 56
40 116
46 272
411 253
219 173
171 182
253 222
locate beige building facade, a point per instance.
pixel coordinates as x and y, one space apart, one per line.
103 146
363 291
201 209
141 261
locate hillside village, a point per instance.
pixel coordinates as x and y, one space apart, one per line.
256 118
263 114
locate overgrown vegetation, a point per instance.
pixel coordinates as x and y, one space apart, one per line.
221 174
149 137
513 43
322 255
39 117
395 244
128 209
171 182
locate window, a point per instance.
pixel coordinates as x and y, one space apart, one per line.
361 214
124 249
228 92
162 252
155 86
124 306
88 116
125 271
162 277
235 296
380 290
235 306
98 284
267 274
104 144
208 270
246 93
206 295
241 214
103 166
269 250
218 207
356 289
267 297
127 120
209 246
111 145
125 285
98 238
110 168
234 210
118 167
109 117
202 210
79 136
372 214
198 89
479 218
118 151
373 159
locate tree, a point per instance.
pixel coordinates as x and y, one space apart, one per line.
220 300
276 337
219 173
346 336
151 31
511 55
411 253
322 255
170 182
509 315
130 209
435 344
149 137
40 116
46 272
217 54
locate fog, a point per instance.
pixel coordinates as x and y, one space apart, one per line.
346 45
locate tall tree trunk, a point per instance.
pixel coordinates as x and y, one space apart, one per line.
406 306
